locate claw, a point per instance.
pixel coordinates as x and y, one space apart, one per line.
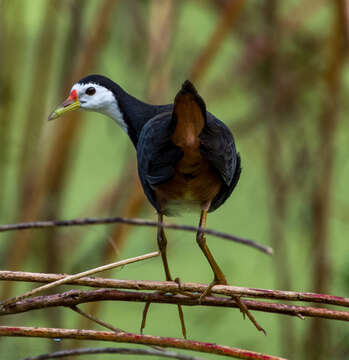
245 312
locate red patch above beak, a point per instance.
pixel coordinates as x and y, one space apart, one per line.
73 95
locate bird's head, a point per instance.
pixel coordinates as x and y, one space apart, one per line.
93 93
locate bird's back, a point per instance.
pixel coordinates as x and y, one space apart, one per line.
187 158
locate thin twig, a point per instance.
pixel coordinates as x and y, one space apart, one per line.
172 287
20 331
144 316
128 221
77 276
109 350
96 320
76 297
104 324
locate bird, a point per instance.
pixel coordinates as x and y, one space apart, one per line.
187 158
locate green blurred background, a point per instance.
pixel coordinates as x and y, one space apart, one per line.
275 72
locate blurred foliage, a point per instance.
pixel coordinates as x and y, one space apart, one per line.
275 72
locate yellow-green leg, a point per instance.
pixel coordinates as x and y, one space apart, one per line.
162 244
219 277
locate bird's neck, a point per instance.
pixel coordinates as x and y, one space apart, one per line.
130 113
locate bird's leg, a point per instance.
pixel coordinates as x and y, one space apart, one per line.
219 277
162 244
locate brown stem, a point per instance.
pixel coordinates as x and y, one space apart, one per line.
172 287
77 276
138 222
96 320
76 297
318 339
211 348
109 350
100 322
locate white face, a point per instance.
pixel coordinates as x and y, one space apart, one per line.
97 98
93 97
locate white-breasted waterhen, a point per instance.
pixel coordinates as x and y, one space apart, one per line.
186 157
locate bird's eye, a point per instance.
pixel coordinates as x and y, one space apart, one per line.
90 91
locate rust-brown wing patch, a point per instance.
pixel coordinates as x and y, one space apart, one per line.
189 114
195 179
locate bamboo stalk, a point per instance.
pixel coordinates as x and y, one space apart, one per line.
49 185
318 339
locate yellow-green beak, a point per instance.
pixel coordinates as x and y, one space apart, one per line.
70 104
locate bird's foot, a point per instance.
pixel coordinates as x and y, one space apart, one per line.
242 306
208 290
245 312
181 291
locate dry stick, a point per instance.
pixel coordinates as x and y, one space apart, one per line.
76 297
20 331
77 276
128 221
109 350
144 317
103 323
96 320
172 287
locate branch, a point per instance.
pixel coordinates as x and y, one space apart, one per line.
105 324
96 320
76 297
137 222
172 287
80 334
68 278
109 350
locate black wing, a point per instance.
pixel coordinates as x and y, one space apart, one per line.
218 147
156 154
